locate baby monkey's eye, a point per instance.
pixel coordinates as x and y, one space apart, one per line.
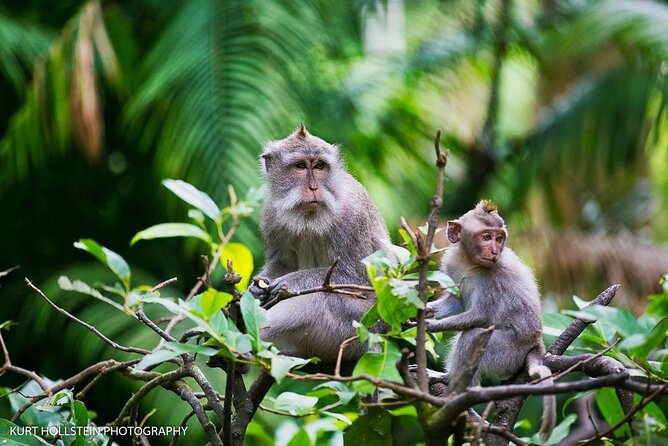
487 236
499 238
300 165
319 165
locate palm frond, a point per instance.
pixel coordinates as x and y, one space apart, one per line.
64 102
21 45
216 88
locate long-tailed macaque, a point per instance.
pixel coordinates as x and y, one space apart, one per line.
314 213
497 289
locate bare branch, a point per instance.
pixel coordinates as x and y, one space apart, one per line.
97 332
339 358
423 260
184 392
328 275
576 327
163 284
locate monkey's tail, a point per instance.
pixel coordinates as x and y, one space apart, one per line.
538 371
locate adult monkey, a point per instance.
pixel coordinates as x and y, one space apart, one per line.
314 213
497 289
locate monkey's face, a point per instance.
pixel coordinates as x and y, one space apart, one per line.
310 174
486 246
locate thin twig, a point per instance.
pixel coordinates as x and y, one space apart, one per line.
423 260
143 318
183 424
504 433
328 275
163 284
339 358
478 431
97 332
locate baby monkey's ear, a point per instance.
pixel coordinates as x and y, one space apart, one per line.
454 231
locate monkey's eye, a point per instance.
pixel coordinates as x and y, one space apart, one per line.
499 239
319 165
300 165
487 236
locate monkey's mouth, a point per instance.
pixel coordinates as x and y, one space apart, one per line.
311 205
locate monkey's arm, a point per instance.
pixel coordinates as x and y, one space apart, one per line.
458 322
444 306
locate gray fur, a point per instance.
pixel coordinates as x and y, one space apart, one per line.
300 246
504 295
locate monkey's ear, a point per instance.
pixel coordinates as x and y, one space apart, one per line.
454 231
266 160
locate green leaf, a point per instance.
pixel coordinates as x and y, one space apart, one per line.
560 431
213 301
242 262
609 405
166 230
300 438
157 357
180 347
370 318
344 393
187 312
281 365
113 261
371 429
379 364
79 413
254 317
21 440
82 287
294 403
193 196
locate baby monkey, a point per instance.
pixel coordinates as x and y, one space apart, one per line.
497 289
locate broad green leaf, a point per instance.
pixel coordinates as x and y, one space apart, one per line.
572 398
193 196
196 215
157 357
178 309
609 405
294 403
180 347
79 413
370 318
379 364
300 438
397 301
281 365
7 426
113 261
213 301
371 429
341 390
242 262
82 287
560 431
166 230
254 317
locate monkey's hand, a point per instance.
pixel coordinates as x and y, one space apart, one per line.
258 288
276 292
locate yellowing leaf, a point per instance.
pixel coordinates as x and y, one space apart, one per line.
242 262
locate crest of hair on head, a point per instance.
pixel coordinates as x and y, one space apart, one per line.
488 206
301 131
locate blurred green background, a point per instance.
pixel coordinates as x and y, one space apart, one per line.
554 109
